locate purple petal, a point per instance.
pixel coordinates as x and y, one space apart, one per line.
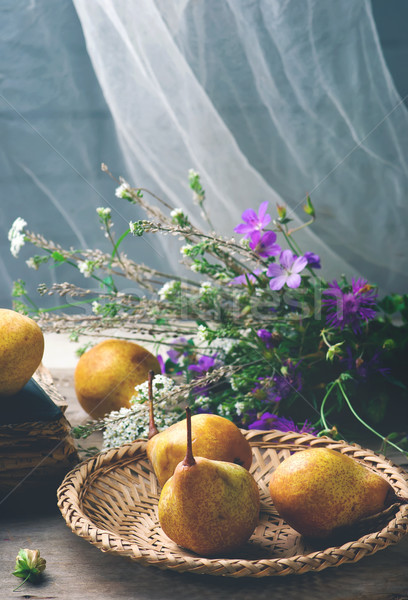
293 280
262 210
287 259
277 283
161 363
255 238
244 229
269 238
274 270
173 355
249 216
299 264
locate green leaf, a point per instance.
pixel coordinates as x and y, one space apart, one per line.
58 257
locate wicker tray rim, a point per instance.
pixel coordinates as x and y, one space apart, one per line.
76 482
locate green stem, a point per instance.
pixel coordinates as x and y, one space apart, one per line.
385 441
33 304
322 417
77 303
22 583
310 222
115 245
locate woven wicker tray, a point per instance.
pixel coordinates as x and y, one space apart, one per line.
111 501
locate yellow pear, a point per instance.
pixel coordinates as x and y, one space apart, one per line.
106 375
21 350
213 437
319 491
208 506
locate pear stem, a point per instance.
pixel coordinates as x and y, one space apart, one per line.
152 425
189 458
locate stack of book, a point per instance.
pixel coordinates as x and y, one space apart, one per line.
36 448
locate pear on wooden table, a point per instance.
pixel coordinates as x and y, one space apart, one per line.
213 437
320 491
208 506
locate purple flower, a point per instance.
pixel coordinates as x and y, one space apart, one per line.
264 244
253 221
266 421
313 260
352 307
266 337
179 345
287 272
265 391
204 364
284 424
269 421
161 363
243 279
290 382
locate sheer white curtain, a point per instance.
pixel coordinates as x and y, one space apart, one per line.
268 100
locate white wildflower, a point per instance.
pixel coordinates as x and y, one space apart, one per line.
234 385
195 267
201 401
32 264
16 236
104 213
222 345
162 385
224 411
239 408
168 289
176 213
123 191
86 267
192 174
96 307
129 424
202 333
186 249
132 227
206 286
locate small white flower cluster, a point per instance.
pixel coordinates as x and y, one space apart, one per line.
32 264
224 411
132 227
96 307
240 408
202 332
104 213
16 236
161 388
169 288
205 287
86 267
123 191
192 174
129 424
176 213
222 345
186 249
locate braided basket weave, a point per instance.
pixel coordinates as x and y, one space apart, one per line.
111 501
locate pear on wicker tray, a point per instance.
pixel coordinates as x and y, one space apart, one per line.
320 491
208 506
213 437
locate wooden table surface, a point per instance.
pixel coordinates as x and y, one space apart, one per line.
78 571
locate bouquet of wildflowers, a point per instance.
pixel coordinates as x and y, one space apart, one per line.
253 333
